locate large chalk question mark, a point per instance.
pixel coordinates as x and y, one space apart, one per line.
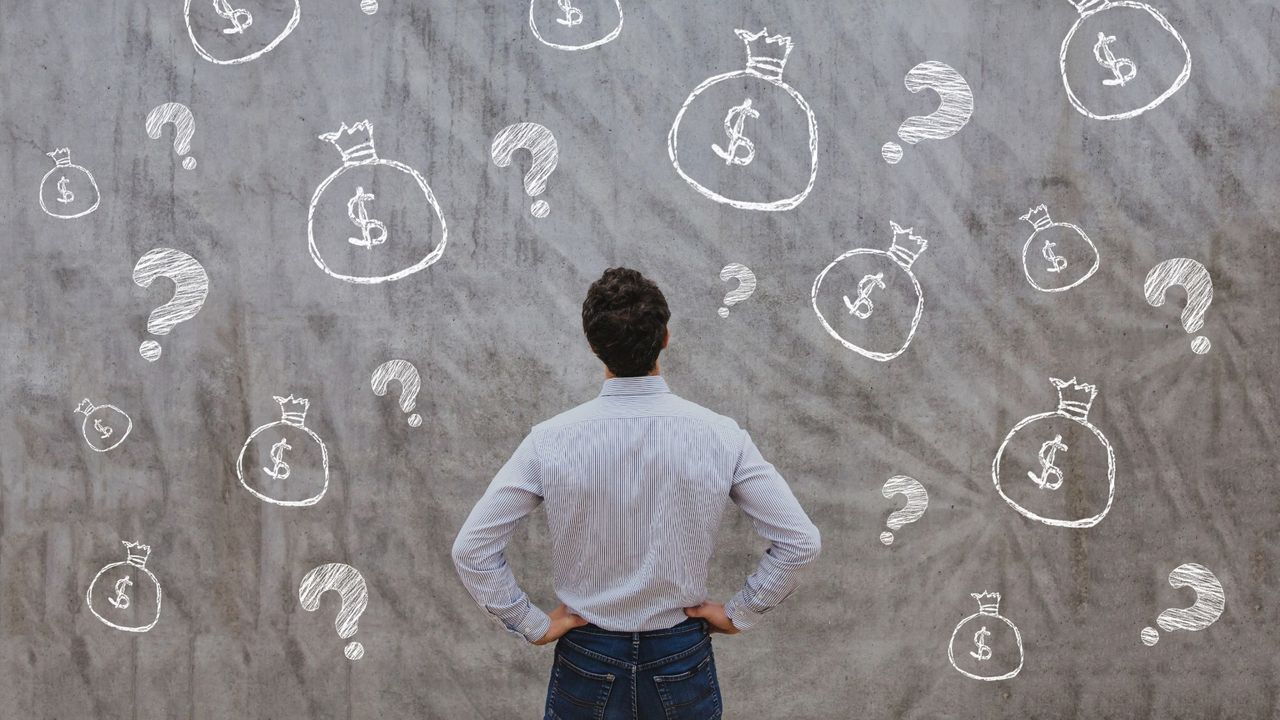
746 285
917 502
191 287
406 374
1210 602
349 583
184 128
1192 276
952 114
541 144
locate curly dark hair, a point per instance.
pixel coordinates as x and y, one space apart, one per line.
625 318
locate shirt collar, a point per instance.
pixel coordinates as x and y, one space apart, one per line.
644 385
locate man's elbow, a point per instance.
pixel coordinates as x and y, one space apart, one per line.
808 546
461 553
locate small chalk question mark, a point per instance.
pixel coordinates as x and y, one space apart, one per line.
1192 276
349 583
191 287
1210 602
953 112
184 128
541 144
917 503
746 285
406 374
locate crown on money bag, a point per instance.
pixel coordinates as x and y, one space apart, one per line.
1074 399
85 407
61 157
988 602
138 553
764 60
1038 216
1083 5
906 245
293 411
355 142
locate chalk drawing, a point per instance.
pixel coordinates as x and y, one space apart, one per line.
233 33
748 157
953 113
1211 600
191 287
184 128
575 24
68 191
1057 462
287 459
542 147
403 372
746 285
1195 280
1057 256
104 426
986 645
887 302
917 503
349 584
126 595
355 199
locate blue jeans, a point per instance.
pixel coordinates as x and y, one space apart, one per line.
603 674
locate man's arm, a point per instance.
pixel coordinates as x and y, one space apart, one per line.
794 541
478 550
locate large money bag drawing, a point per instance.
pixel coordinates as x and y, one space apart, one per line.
986 645
285 462
126 595
870 299
229 32
67 191
104 426
1056 467
372 220
746 138
1057 256
575 24
1121 58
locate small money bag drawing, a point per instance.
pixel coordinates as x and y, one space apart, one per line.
1057 256
986 645
284 462
575 24
367 222
1128 59
68 191
126 595
746 138
1056 467
870 300
230 32
104 426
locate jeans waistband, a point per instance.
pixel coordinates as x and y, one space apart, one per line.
689 625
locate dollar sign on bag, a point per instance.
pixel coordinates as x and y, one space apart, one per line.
980 640
281 469
733 128
572 15
360 216
120 601
64 195
863 306
102 429
1102 52
1047 452
1053 259
239 17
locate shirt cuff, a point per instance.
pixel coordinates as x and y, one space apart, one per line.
534 625
742 615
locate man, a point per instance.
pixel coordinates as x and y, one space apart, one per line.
634 484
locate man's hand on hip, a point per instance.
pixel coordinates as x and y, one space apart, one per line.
713 613
562 621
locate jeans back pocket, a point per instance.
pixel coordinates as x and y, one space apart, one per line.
693 694
578 693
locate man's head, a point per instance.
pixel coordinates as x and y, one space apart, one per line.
625 318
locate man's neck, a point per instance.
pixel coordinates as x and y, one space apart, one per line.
608 374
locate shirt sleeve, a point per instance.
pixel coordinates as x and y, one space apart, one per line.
478 550
794 541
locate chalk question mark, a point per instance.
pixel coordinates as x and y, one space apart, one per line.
1210 602
1192 276
952 114
917 502
348 583
541 144
191 287
184 128
406 374
746 285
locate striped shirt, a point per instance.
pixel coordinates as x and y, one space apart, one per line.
634 484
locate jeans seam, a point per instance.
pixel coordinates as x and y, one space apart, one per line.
704 642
